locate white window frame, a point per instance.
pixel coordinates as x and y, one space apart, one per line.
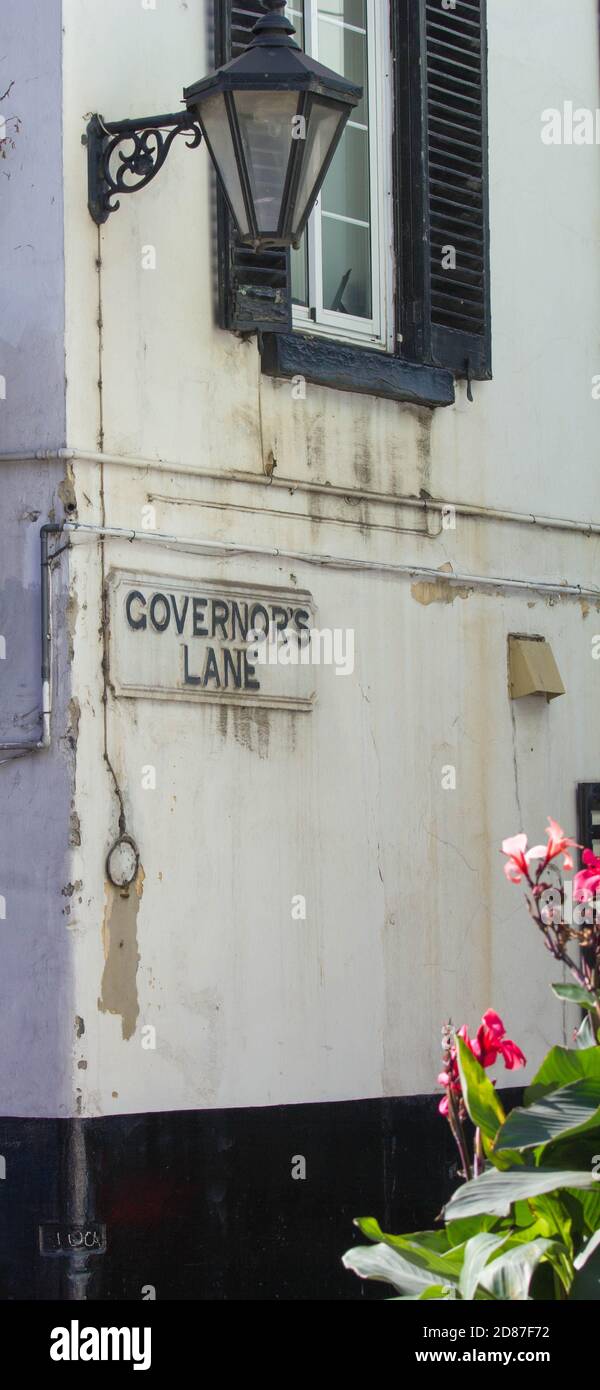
377 332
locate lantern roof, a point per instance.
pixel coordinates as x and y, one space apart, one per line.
275 61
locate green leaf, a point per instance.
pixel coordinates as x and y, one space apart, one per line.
432 1240
388 1266
586 1035
438 1291
586 1285
509 1277
560 1068
554 1219
479 1094
428 1250
589 1202
588 1250
575 994
570 1110
459 1232
477 1254
495 1192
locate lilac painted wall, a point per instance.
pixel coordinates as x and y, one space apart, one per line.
36 1017
31 228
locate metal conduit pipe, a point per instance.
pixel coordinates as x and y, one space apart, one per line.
433 504
224 549
232 549
32 745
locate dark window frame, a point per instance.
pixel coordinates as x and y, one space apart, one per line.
588 800
255 293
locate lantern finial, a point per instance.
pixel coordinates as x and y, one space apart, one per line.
275 28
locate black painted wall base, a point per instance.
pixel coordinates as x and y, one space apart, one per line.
204 1205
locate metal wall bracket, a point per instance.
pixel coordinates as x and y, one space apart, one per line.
124 156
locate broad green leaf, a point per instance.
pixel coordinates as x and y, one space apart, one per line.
459 1232
389 1267
588 1250
479 1095
572 1109
477 1254
586 1035
575 994
554 1219
438 1291
495 1192
586 1285
560 1068
437 1241
590 1206
427 1249
509 1276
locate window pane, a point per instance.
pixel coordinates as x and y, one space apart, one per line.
345 51
346 188
300 274
346 268
295 13
351 11
347 286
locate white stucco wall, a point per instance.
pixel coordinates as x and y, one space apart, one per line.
409 917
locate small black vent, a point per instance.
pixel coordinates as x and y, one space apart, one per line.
254 291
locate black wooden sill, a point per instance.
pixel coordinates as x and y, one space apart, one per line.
347 368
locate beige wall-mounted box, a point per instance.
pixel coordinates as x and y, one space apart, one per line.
532 669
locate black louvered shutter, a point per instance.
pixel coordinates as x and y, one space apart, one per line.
254 287
441 60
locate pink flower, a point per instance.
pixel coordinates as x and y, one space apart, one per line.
519 857
587 882
518 865
559 843
489 1043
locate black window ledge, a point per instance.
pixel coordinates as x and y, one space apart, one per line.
354 369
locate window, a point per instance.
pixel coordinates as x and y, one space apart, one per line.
390 292
341 276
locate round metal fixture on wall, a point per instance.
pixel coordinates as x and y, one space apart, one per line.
123 861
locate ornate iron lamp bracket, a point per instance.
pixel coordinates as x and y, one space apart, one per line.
124 156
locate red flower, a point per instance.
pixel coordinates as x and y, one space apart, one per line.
489 1043
587 882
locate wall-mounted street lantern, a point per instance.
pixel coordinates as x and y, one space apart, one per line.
272 120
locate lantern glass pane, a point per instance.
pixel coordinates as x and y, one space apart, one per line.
321 131
266 128
213 115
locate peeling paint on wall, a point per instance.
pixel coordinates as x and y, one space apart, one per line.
439 590
66 491
72 611
119 981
